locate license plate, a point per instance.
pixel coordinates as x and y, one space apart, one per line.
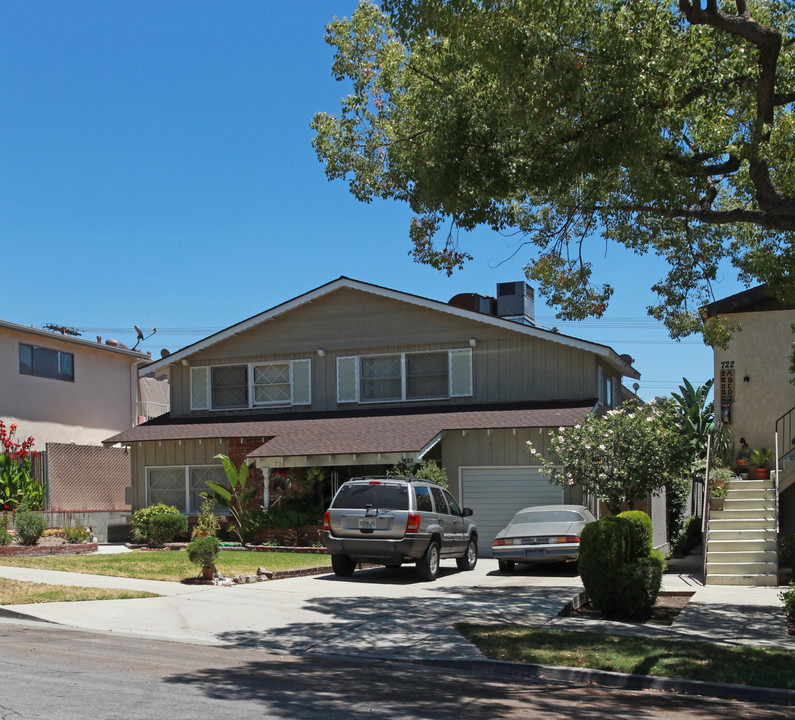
367 523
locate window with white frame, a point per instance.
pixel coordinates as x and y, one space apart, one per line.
229 387
425 375
181 486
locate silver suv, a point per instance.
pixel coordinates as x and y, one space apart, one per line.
395 520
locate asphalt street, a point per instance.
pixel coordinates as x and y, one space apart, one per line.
48 672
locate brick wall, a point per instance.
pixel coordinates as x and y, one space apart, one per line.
238 449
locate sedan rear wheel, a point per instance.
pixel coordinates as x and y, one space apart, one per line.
506 566
470 557
342 565
428 564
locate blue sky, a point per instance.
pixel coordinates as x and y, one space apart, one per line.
156 169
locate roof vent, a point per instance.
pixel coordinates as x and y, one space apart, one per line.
516 301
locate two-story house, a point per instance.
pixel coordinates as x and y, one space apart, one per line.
354 378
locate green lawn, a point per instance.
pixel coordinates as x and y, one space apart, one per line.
741 664
168 564
17 592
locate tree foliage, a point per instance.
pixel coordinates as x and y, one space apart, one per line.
667 129
238 497
620 457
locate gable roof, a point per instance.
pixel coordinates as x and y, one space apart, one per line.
607 353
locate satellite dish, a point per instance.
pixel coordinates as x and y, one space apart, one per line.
635 387
140 335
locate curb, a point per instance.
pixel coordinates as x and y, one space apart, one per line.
499 669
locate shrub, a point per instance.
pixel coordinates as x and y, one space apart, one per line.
144 524
788 598
76 533
6 538
786 549
641 534
207 523
29 526
620 571
165 528
204 550
688 538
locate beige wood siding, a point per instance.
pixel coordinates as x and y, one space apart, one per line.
507 366
170 453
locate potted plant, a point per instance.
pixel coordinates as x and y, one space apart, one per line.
741 463
788 598
717 497
761 459
204 551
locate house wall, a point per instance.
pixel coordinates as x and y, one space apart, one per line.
99 403
171 453
760 351
497 448
507 366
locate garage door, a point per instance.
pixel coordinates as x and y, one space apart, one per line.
495 494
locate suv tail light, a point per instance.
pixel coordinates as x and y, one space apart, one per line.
413 523
327 521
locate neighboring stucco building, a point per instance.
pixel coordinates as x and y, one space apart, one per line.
353 378
752 381
66 389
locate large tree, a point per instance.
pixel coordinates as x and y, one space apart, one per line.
666 128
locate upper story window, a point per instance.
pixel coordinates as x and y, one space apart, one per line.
607 389
231 387
46 362
404 376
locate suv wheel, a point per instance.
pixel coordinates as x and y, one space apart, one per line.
428 564
343 565
506 566
470 557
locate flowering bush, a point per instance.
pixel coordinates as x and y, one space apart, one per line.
620 457
17 484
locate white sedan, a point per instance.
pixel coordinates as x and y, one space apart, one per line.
546 533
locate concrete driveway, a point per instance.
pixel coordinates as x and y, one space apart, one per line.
377 612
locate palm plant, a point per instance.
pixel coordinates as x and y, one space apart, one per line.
237 498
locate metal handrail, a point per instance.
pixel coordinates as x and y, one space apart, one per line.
705 510
786 447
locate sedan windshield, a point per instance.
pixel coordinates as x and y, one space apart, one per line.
547 516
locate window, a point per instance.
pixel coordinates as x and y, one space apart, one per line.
226 387
405 376
46 363
423 496
439 501
455 508
230 386
181 486
272 384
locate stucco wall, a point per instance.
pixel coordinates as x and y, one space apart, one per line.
98 404
760 352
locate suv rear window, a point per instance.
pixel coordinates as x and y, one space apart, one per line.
388 497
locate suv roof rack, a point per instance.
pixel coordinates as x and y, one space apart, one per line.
394 477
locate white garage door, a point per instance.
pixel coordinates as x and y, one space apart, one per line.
495 495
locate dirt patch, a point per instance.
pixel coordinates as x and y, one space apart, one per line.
664 612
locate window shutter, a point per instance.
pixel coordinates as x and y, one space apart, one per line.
199 388
347 380
461 373
302 382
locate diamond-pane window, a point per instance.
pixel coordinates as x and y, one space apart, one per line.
427 375
272 384
166 485
230 386
381 378
198 477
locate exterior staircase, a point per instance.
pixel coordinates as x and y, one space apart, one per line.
741 538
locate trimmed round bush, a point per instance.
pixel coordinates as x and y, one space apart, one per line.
641 535
142 523
638 584
204 550
30 527
164 528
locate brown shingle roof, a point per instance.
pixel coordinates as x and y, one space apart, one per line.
335 434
